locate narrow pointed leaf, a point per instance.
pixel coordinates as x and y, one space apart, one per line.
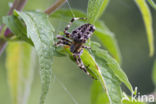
20 64
146 14
95 9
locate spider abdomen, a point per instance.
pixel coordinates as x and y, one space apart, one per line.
82 33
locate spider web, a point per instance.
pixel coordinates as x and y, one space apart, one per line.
70 8
64 88
56 79
67 91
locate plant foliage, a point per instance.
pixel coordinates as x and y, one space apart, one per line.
40 31
35 28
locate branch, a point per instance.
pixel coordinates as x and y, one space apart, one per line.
18 5
53 7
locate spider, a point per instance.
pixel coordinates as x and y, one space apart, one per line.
76 40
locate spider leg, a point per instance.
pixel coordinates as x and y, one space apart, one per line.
86 47
63 38
70 23
81 65
62 43
84 68
76 59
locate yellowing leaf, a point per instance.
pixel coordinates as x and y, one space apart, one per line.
20 65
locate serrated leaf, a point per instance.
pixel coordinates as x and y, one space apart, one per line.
154 73
146 14
40 31
107 39
20 64
152 3
95 9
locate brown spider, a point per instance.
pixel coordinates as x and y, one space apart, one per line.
76 40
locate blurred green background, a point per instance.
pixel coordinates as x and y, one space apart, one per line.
69 83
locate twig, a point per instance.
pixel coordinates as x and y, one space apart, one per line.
53 7
18 5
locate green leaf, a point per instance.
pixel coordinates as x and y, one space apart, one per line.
40 31
133 102
146 14
106 77
154 73
106 37
108 40
98 95
113 65
152 3
95 9
66 13
62 17
129 100
20 64
17 28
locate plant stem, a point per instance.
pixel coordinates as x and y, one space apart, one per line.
18 5
53 7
